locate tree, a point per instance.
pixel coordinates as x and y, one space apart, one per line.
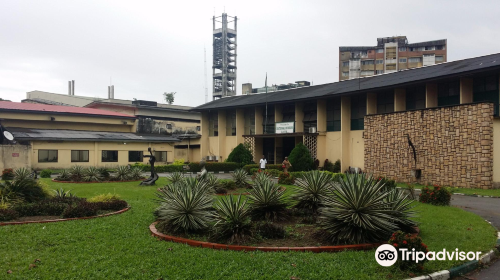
300 158
169 97
240 154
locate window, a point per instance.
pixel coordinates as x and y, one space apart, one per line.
385 102
161 156
430 48
288 113
135 156
345 74
333 114
213 124
380 50
231 123
414 59
449 93
79 156
47 155
345 63
358 112
440 47
402 60
310 115
250 121
268 122
428 55
402 49
379 72
415 97
367 62
379 61
486 89
439 58
421 49
109 156
367 73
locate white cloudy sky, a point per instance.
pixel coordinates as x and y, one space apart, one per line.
150 47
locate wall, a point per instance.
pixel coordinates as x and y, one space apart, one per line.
454 145
356 152
15 156
496 153
332 148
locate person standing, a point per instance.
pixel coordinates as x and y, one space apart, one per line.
285 165
263 163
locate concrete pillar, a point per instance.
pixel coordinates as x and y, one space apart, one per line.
371 103
278 113
299 117
431 95
321 111
258 121
222 135
399 99
204 143
240 125
345 131
259 150
466 90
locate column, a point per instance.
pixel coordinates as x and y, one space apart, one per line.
399 99
371 103
466 90
431 94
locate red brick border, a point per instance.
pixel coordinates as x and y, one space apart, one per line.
71 182
319 249
63 220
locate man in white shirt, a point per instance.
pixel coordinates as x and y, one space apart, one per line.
263 163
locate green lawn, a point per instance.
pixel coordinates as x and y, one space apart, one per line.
488 192
121 247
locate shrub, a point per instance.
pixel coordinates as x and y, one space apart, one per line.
240 177
249 167
104 198
227 184
328 166
268 201
122 173
300 158
240 154
62 194
311 189
220 190
41 208
21 174
175 177
91 174
64 175
104 173
112 205
270 230
336 166
76 173
437 196
27 190
135 173
274 172
178 162
210 180
82 209
388 183
358 210
400 240
7 174
46 173
260 177
297 174
183 208
8 214
232 218
214 166
286 179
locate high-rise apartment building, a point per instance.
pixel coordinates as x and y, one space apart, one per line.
391 54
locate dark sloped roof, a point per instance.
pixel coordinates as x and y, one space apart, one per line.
27 134
443 70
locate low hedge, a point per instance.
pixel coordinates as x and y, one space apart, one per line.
193 167
268 166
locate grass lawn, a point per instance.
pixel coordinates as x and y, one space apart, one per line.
488 192
121 247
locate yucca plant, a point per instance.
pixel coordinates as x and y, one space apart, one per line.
21 174
122 173
61 193
76 172
211 181
359 210
64 175
267 201
232 218
196 185
175 177
104 173
261 177
92 174
240 177
183 208
310 190
402 206
27 190
135 173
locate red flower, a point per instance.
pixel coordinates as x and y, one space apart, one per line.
404 242
395 244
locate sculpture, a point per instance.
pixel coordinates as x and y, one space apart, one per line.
152 179
203 173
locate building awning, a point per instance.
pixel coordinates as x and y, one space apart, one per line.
279 135
31 134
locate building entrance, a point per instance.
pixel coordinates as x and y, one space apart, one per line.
268 149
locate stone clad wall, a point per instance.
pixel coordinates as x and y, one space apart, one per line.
454 145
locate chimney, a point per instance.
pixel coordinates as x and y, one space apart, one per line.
69 87
72 87
112 92
109 92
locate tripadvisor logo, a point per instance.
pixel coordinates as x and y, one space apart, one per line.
387 255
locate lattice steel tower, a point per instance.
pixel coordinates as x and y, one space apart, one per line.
224 57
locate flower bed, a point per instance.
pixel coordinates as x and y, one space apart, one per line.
91 182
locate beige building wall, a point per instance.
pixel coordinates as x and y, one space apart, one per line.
399 99
356 149
15 156
332 146
466 90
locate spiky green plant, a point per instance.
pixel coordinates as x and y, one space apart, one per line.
267 201
61 193
122 173
211 181
360 210
135 173
402 206
21 174
104 173
232 218
76 172
92 174
240 177
261 177
28 190
64 175
197 185
310 190
183 208
175 177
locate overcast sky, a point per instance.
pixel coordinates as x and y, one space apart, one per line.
150 47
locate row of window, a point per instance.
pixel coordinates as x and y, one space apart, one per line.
106 156
439 58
